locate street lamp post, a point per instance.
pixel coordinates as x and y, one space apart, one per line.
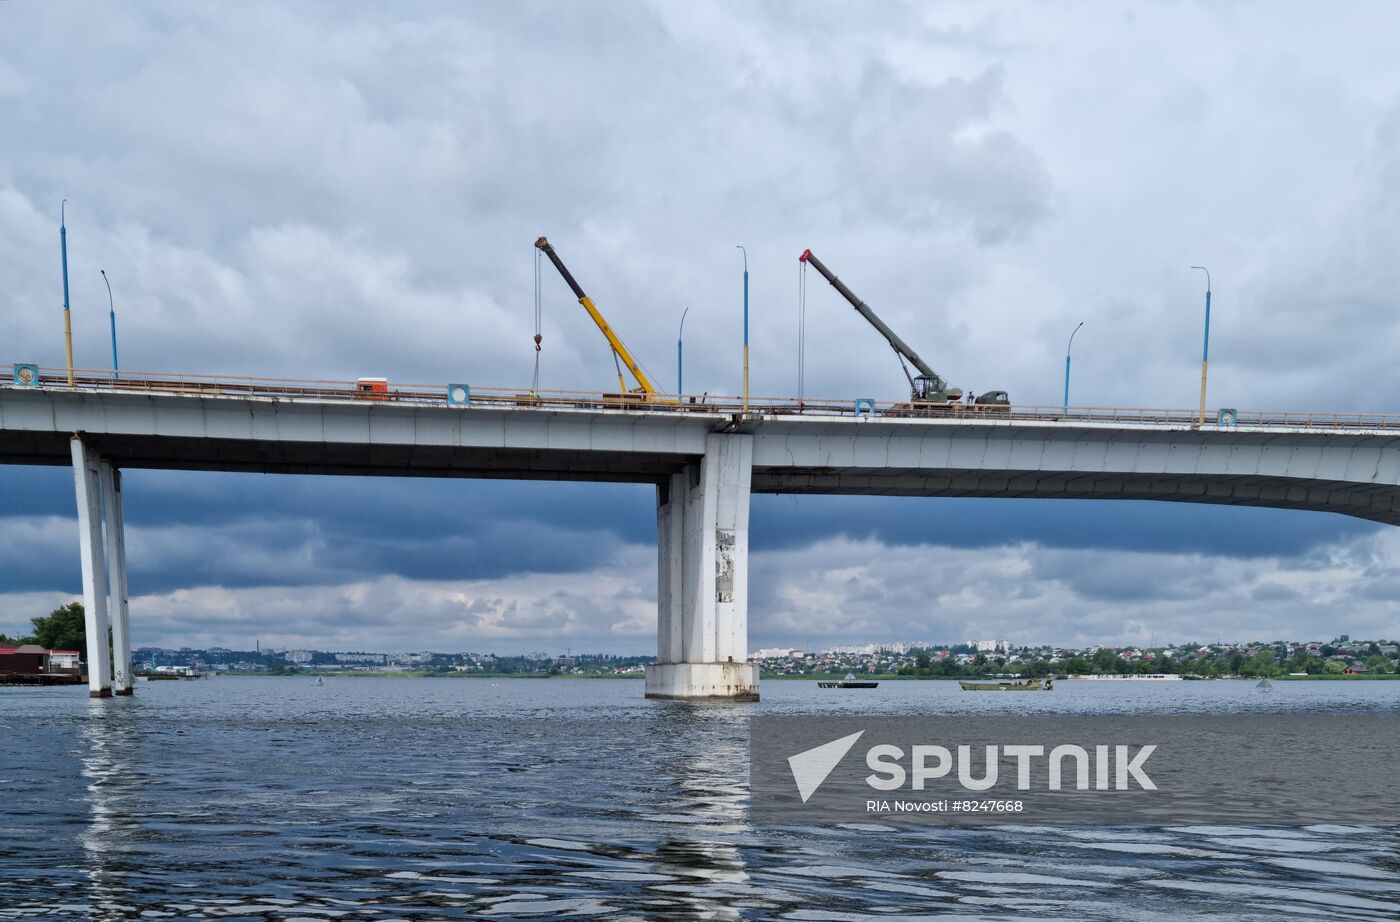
67 311
680 354
1067 349
112 315
746 325
1205 349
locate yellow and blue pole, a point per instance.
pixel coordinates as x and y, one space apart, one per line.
746 325
67 312
1067 349
112 313
1205 349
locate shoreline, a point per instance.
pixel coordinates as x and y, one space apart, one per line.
876 677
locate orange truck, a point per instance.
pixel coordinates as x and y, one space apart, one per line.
372 388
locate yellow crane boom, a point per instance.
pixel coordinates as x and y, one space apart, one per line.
644 386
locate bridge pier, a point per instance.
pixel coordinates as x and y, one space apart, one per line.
702 524
90 552
111 479
102 554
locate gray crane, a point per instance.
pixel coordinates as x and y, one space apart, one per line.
927 387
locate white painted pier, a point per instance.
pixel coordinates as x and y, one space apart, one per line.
702 616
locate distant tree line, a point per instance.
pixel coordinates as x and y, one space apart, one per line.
1266 663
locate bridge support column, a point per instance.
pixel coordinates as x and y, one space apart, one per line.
702 626
111 480
88 487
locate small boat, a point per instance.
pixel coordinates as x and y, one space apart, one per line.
850 681
1265 684
1045 684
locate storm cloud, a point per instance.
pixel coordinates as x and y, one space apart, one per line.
327 190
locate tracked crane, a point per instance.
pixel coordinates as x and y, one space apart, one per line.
621 356
927 387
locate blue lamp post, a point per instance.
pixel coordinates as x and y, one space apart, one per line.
680 355
740 247
112 315
67 310
1205 349
1067 349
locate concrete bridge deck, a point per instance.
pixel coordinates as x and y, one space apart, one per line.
705 456
1346 464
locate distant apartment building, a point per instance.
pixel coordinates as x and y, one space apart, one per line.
990 646
858 649
422 658
905 646
777 653
299 656
363 659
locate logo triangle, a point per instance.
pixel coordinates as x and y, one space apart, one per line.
811 767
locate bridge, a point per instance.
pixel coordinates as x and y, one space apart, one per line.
704 455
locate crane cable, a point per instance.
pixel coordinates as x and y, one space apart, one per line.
539 337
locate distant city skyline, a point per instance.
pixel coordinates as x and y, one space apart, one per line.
992 647
1343 657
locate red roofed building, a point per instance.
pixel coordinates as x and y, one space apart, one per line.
31 664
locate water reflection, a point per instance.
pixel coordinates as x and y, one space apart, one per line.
706 764
110 769
375 799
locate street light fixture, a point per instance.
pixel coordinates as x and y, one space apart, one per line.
112 315
1205 349
1069 346
680 354
740 247
67 309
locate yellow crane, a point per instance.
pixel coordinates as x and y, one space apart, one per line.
644 386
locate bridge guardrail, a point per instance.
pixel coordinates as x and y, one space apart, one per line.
105 381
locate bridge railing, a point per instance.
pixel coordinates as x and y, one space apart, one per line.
105 381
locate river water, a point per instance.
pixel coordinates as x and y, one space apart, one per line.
275 798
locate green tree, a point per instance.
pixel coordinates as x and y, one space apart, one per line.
1036 667
61 629
1106 660
1260 664
1077 665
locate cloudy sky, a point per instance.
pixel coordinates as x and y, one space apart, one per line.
341 189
